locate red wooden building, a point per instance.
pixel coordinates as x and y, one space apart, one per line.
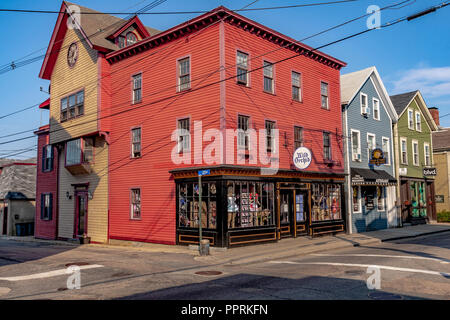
244 99
229 73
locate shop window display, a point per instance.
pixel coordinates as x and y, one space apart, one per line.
326 202
250 204
188 207
417 190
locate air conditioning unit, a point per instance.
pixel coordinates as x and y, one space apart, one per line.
357 157
365 111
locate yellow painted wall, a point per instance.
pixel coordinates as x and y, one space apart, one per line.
66 80
98 186
441 183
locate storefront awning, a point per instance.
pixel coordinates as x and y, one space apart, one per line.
45 104
371 177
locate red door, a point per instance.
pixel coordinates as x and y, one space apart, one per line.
81 212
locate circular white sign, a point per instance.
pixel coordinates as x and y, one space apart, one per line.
302 158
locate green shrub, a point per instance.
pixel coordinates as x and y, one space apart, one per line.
443 216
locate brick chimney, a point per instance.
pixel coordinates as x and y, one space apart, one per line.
435 114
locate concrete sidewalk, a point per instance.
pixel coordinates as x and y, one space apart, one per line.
262 252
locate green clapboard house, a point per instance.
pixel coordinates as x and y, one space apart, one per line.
413 145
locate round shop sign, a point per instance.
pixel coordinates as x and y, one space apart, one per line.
302 158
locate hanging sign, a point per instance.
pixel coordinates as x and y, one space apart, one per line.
377 157
302 158
429 171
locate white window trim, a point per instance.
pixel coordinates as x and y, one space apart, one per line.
361 104
426 144
373 106
388 160
359 143
409 119
418 152
359 200
383 197
415 120
375 140
401 151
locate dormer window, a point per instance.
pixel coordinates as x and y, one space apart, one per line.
131 38
121 42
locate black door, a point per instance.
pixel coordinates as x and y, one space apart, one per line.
5 220
301 212
286 212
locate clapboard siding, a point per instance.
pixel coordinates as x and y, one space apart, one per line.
157 115
66 80
97 206
280 107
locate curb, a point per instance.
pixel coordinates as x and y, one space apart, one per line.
414 236
50 242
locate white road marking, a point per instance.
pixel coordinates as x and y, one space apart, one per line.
438 273
49 274
379 255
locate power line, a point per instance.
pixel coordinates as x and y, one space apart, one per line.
284 46
181 12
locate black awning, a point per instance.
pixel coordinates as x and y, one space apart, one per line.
375 177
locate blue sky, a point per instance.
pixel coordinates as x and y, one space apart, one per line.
409 56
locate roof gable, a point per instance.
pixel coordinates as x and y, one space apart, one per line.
352 83
136 22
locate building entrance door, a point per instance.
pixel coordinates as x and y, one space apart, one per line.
5 220
293 212
81 212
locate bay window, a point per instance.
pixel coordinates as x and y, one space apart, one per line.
79 151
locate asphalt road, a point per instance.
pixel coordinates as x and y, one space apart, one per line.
416 268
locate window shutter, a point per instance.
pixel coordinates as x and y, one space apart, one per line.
50 213
51 158
43 158
42 207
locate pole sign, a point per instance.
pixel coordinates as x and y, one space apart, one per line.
429 171
302 158
204 172
377 157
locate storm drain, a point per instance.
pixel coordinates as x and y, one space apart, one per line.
376 295
208 273
79 264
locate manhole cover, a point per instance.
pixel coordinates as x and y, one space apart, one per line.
376 295
79 264
208 273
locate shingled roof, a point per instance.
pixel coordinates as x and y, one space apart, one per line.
401 101
18 181
441 140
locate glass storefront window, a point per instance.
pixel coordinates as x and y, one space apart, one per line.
250 204
418 202
356 199
326 202
380 198
188 206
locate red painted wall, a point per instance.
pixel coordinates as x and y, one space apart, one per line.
46 182
161 106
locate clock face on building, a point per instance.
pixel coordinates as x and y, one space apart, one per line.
72 54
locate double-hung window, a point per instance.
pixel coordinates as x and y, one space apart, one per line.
324 95
326 146
426 149
242 67
72 106
184 135
268 77
137 88
135 204
364 106
356 145
47 158
404 151
184 74
79 151
270 139
386 148
418 122
243 142
410 119
415 146
376 109
296 86
298 137
371 143
46 206
136 142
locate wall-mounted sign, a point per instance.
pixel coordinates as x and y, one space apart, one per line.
382 181
377 157
357 179
403 171
439 198
429 171
302 158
